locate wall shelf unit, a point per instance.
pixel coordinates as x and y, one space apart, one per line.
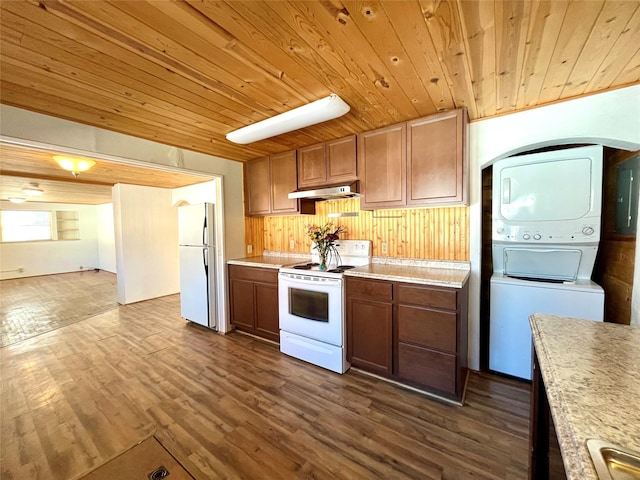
67 225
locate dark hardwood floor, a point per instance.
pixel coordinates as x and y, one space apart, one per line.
234 407
34 305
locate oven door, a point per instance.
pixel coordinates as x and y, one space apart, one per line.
311 306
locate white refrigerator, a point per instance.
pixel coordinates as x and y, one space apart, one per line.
197 264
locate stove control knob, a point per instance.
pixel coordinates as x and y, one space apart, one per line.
537 236
526 236
587 231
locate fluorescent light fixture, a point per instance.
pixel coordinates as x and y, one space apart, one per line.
17 199
316 112
74 164
33 190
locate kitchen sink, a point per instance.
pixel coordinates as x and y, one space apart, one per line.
613 462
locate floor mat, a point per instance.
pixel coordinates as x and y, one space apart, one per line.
147 460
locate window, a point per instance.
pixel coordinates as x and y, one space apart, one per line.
25 225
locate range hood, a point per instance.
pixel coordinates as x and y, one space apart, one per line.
328 193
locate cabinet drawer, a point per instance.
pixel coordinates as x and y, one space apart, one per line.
426 367
255 274
375 290
429 328
427 296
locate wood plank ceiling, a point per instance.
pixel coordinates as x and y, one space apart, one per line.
22 166
185 73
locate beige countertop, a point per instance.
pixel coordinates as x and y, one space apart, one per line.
427 272
270 260
591 372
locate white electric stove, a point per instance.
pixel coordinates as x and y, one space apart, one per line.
312 310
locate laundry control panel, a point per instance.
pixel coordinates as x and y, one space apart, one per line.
566 233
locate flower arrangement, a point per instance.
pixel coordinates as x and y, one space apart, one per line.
323 238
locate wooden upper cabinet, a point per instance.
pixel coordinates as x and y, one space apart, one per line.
419 163
283 182
436 166
382 161
268 183
327 163
258 186
312 166
341 160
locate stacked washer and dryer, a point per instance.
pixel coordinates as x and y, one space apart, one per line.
546 230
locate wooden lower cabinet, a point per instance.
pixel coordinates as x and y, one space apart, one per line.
266 311
242 302
253 294
369 334
414 334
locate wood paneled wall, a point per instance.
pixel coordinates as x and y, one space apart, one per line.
616 255
254 235
429 233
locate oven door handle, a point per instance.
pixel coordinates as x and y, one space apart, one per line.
296 281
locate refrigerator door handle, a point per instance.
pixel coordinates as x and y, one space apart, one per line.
205 260
204 231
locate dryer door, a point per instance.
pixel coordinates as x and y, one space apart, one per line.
545 191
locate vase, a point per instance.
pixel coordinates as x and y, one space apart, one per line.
323 261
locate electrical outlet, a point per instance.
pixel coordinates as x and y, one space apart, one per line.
385 248
249 248
292 244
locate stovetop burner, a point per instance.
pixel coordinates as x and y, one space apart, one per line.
341 268
306 266
349 254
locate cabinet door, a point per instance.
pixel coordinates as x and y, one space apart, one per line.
242 304
382 161
267 323
341 160
312 166
258 186
436 159
283 182
369 335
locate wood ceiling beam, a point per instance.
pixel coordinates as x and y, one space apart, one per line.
67 178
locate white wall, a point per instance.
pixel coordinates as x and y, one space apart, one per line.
41 131
193 194
106 238
611 119
34 129
146 236
54 256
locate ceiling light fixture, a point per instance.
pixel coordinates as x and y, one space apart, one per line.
33 190
17 199
316 112
74 164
